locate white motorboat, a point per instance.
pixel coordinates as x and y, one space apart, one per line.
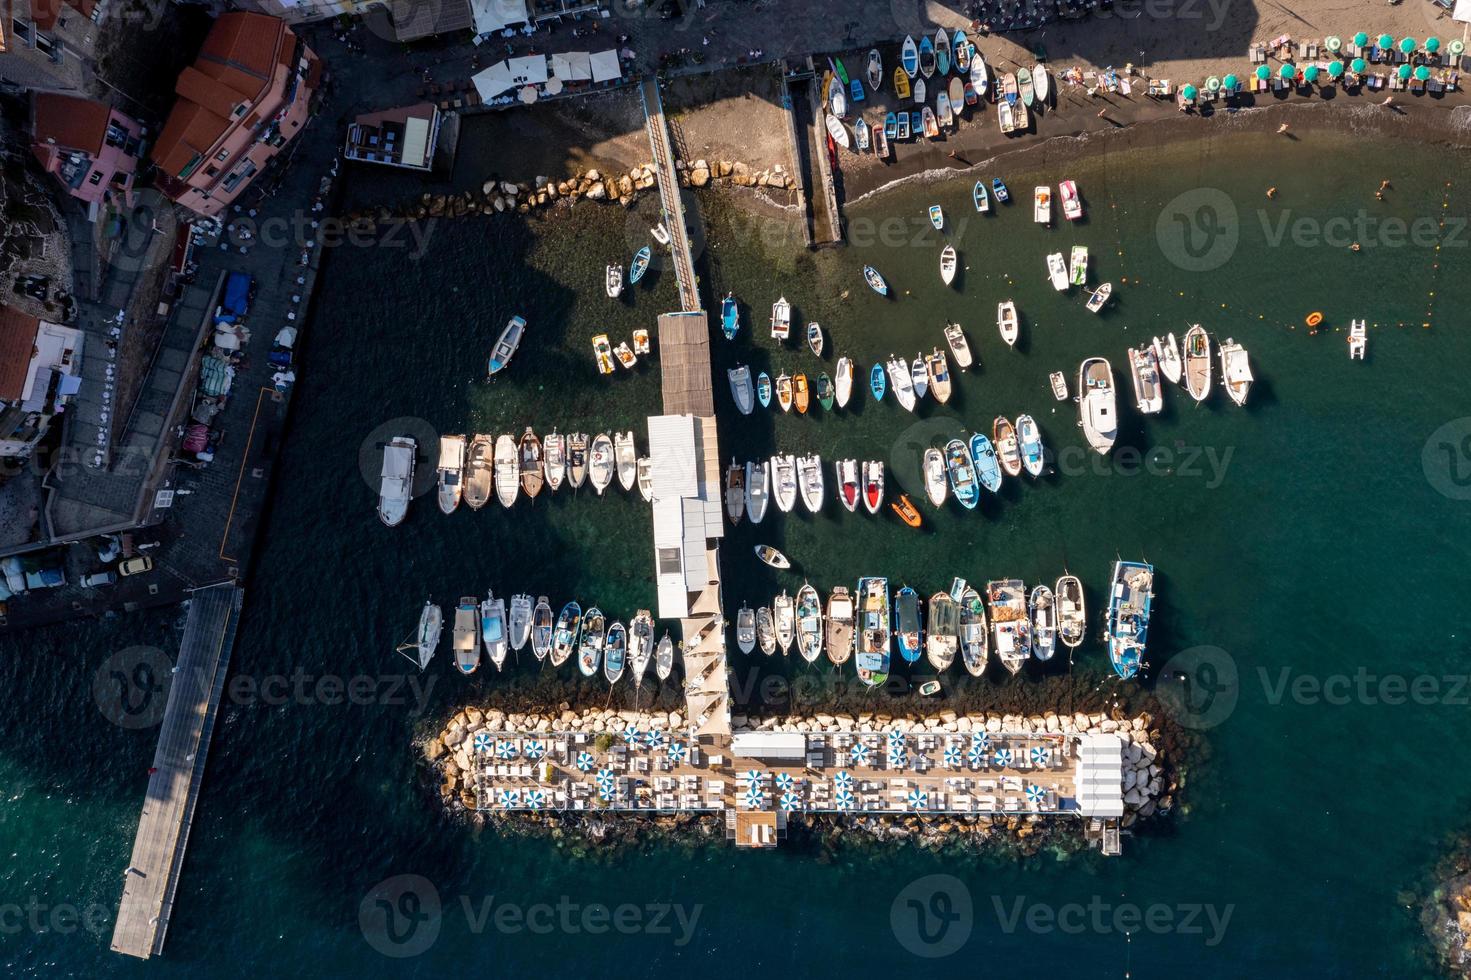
493 629
625 456
1099 297
1097 412
1042 204
901 381
735 492
396 483
745 627
784 481
1057 272
849 488
600 462
554 450
450 472
1167 356
1358 340
935 485
844 381
426 637
948 263
873 485
1235 371
757 490
507 470
741 389
519 628
613 281
1197 360
919 376
1007 321
959 346
781 319
1144 371
809 481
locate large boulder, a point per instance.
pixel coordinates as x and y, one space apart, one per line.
699 177
597 192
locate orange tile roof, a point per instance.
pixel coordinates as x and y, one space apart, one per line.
45 13
72 123
191 130
17 344
247 40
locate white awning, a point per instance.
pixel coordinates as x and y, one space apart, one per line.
1098 784
605 67
530 70
493 81
574 66
494 15
1462 12
415 152
673 463
769 745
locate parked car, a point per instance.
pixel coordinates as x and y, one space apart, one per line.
97 579
136 566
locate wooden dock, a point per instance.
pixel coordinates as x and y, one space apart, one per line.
152 876
674 215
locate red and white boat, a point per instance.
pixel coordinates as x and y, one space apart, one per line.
1072 205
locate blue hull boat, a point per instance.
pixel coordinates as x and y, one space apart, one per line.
856 88
730 318
891 127
875 281
906 624
962 472
876 382
639 265
999 189
1130 595
988 467
763 389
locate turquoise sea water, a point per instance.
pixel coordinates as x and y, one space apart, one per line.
1318 532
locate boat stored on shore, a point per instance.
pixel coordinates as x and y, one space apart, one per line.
1131 593
396 481
449 472
1097 412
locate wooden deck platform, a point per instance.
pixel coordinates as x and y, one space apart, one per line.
684 364
152 875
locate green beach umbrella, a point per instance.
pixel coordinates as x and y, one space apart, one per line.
1189 92
1385 41
1310 73
1288 71
1407 45
1361 39
1335 68
1262 71
1359 64
1231 83
1457 46
1422 73
1432 44
1404 71
1333 43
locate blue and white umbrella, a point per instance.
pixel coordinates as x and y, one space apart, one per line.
980 740
976 756
535 798
753 778
755 799
677 752
506 750
605 782
790 802
952 756
655 739
1040 755
918 800
585 761
535 749
631 734
510 798
845 800
896 741
843 780
482 741
859 754
898 759
1035 793
1003 757
784 780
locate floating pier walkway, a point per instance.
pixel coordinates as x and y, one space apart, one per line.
674 216
152 876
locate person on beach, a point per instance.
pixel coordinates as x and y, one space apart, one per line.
1271 192
1283 128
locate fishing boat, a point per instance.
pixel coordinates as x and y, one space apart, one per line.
959 346
765 631
1167 354
1072 205
465 636
809 623
901 83
861 137
784 618
999 191
625 355
615 652
1030 436
1024 90
814 338
838 131
493 629
554 449
825 392
800 395
943 637
926 57
1059 385
450 471
942 52
396 481
876 382
906 511
1042 205
875 69
784 391
1008 450
508 471
846 471
960 46
1099 297
784 481
781 319
1057 271
983 457
740 388
873 485
875 281
932 467
1006 321
541 628
844 382
532 475
1148 392
640 264
1072 619
919 376
613 281
646 478
564 637
600 464
839 640
1197 362
901 381
908 59
664 657
931 127
519 629
640 644
594 637
978 74
505 346
907 624
974 642
1235 371
881 139
1042 608
1358 340
603 352
948 264
980 197
735 492
763 389
810 482
1011 629
577 452
872 662
426 638
745 629
730 317
1041 83
758 490
1078 265
625 455
962 472
1008 89
943 109
1096 410
1131 593
938 370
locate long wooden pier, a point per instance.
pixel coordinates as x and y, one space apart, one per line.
674 216
152 876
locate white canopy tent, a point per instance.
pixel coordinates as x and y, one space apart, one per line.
494 15
493 81
605 67
1098 784
574 66
530 70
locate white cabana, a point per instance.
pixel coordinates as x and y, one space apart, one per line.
605 67
788 746
530 70
1098 784
574 66
494 15
493 81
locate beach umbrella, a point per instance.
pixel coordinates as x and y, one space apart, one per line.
482 742
1213 84
1432 44
1035 793
677 752
1335 68
980 740
1457 47
843 780
534 749
1288 71
896 741
753 778
1385 41
505 750
632 734
1408 44
1003 757
952 756
553 86
1422 73
977 755
754 800
1403 72
584 761
898 760
1359 65
509 798
1189 92
655 739
1310 73
784 781
535 799
528 94
1263 72
859 753
1361 39
845 800
605 781
918 800
1332 42
1040 755
1231 83
790 802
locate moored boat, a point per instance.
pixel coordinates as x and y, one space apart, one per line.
962 473
664 657
876 382
758 490
905 510
784 391
640 264
1148 392
1096 409
974 641
554 449
979 79
938 370
875 281
919 376
784 618
479 471
519 621
505 346
932 467
1235 371
948 264
625 456
615 652
765 631
980 197
902 381
1072 619
839 639
781 319
846 471
1011 629
1131 594
531 464
1167 355
1007 322
396 481
1042 608
730 317
640 644
763 389
809 623
801 396
745 629
493 629
600 464
646 478
843 388
1059 385
735 492
740 388
1008 450
613 281
1358 340
770 556
1078 265
943 637
814 338
577 459
872 662
450 471
784 481
1072 205
810 482
1041 83
542 628
1030 436
1099 297
564 636
907 624
959 346
1057 271
466 635
594 637
1197 361
426 637
602 351
1042 204
983 457
998 189
873 485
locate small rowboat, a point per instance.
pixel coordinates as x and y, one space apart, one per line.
1100 296
937 217
772 557
860 133
1004 118
929 689
926 57
943 110
881 141
955 337
730 317
639 265
799 393
947 265
825 392
875 281
998 188
1008 451
814 338
978 80
784 391
1059 385
906 511
979 195
838 131
844 381
939 371
931 125
960 46
908 59
763 389
875 69
1024 86
901 83
957 101
876 382
1041 83
1006 322
942 52
901 126
919 94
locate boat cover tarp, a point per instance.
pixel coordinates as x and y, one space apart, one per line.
196 438
215 375
235 301
605 66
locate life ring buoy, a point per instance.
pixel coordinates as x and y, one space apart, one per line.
1314 318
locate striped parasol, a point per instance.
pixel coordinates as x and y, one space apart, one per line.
655 739
896 741
535 749
677 752
755 800
509 798
1035 793
482 742
1003 757
977 755
790 802
918 800
843 780
859 754
980 740
632 734
753 778
605 782
952 756
784 781
505 750
845 799
897 759
1041 755
585 761
535 799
